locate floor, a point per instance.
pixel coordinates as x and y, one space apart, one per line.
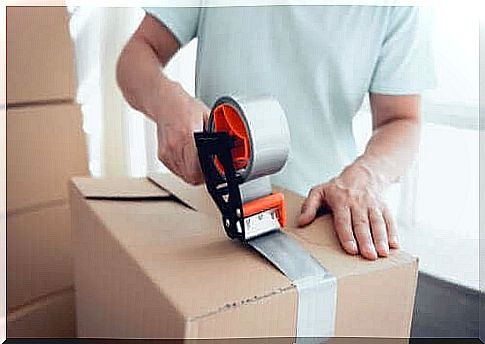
444 309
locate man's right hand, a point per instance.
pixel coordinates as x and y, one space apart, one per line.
176 113
176 145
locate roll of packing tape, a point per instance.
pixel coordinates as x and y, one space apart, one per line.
260 128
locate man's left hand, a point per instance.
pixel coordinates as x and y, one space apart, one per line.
362 221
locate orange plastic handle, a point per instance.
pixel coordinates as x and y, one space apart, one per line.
273 201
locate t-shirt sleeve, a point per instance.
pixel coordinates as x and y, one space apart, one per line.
181 21
405 64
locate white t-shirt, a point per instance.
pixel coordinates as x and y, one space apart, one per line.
318 61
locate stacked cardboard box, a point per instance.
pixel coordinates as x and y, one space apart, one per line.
45 147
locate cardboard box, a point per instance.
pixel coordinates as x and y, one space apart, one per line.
39 254
50 317
45 148
40 62
151 260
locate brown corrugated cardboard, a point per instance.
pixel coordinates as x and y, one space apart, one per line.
45 147
40 65
50 317
39 254
159 269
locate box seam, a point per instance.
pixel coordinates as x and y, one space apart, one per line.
175 197
42 102
37 303
38 207
237 304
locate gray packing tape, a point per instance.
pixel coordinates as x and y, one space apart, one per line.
255 189
268 130
317 288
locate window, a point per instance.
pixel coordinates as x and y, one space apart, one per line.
437 204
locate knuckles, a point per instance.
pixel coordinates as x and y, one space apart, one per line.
193 178
162 153
354 198
314 190
361 221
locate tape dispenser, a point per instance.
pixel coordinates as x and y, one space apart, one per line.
246 141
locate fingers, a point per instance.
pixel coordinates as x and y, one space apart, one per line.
391 228
168 161
343 226
379 232
177 148
360 222
193 173
375 231
169 154
310 206
183 161
170 164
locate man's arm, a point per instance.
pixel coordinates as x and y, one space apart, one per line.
138 69
148 90
361 219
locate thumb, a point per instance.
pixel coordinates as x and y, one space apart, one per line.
310 206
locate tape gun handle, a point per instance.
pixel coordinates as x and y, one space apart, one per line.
224 189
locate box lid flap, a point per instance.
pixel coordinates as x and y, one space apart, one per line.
119 188
195 197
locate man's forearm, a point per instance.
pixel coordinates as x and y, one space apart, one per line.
142 83
389 153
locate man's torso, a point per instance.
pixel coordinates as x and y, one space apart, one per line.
318 61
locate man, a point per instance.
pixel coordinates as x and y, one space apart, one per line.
319 62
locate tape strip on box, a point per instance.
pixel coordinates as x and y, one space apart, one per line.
317 288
